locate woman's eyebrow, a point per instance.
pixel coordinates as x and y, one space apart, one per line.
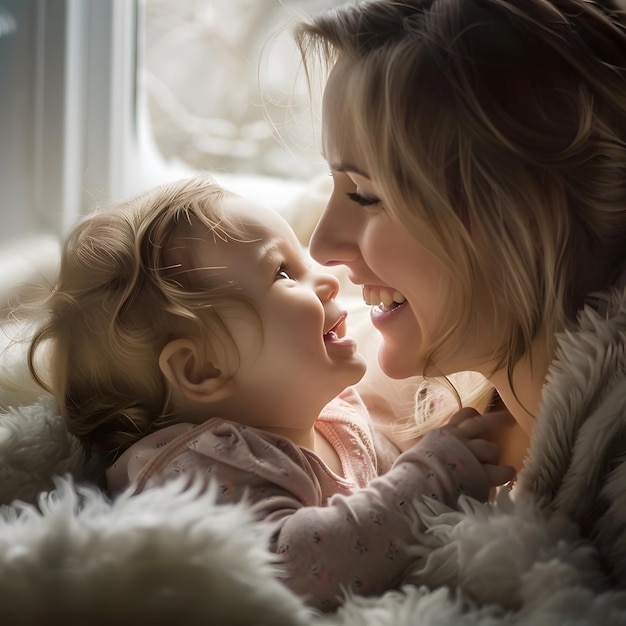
348 167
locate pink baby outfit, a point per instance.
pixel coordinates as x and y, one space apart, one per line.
332 533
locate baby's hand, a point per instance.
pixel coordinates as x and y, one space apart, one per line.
470 427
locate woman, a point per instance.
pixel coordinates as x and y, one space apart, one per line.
478 152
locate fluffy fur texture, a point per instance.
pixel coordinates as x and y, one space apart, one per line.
161 557
167 556
70 555
35 448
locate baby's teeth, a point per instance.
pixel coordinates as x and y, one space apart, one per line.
398 297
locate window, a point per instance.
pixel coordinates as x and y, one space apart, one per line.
68 109
103 98
206 102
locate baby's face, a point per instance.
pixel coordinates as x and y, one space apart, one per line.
293 352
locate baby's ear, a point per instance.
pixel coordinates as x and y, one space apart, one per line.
190 374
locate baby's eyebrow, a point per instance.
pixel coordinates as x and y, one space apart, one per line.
268 255
283 250
267 249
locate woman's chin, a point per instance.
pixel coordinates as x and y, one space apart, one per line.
397 362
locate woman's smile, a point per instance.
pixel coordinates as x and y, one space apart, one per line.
386 298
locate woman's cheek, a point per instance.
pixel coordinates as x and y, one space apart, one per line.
379 254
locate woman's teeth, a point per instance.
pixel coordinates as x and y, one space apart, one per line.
384 298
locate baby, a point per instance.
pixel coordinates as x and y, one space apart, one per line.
189 336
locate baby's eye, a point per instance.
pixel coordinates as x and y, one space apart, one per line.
282 274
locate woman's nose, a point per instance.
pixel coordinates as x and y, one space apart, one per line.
326 287
333 241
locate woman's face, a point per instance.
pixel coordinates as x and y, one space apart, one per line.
400 278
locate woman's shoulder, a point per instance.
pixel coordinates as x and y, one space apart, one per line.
576 459
607 303
585 385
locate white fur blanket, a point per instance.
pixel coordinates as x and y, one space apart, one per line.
69 555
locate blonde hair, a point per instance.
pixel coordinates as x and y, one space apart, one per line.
495 131
120 297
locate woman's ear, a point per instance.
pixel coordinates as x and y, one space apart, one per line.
191 375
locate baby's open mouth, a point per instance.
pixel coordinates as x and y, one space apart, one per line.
334 333
386 299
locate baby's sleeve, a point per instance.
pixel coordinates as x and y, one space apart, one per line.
364 542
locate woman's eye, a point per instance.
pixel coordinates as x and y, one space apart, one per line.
362 200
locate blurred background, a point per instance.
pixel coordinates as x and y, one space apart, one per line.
100 99
213 70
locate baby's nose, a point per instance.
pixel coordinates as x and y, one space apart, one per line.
326 287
